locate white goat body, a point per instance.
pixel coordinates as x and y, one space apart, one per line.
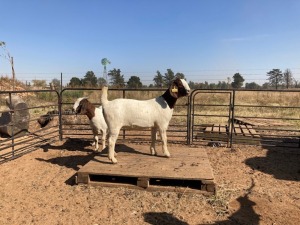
155 113
131 112
95 115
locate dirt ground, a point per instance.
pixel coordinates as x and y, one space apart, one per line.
255 186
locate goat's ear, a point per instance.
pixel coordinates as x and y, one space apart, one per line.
81 107
78 109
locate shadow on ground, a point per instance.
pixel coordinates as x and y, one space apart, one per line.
84 145
71 144
282 163
161 218
245 214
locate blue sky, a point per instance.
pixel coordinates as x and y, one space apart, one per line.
207 40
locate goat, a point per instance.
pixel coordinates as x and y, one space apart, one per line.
155 113
95 115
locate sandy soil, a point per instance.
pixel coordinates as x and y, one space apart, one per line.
255 186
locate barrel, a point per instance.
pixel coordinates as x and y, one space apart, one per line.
14 120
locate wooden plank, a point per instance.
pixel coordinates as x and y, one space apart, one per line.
261 122
213 132
241 133
135 163
215 128
245 130
237 129
252 131
150 166
223 129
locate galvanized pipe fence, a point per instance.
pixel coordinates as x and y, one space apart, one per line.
206 117
20 132
269 118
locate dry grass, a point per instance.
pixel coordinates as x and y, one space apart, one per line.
266 104
210 107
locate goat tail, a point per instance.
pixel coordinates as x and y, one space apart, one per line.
104 95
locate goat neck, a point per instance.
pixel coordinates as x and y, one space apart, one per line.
171 101
90 110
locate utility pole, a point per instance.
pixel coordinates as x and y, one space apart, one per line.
13 71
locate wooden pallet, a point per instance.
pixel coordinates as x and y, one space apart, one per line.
217 132
187 170
213 132
245 134
259 122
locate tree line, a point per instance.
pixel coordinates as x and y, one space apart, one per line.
276 80
117 80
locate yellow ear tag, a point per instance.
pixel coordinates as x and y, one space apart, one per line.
174 89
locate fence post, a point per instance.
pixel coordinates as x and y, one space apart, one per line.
60 114
13 127
189 109
232 118
124 131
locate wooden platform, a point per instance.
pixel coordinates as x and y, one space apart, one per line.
260 122
188 169
245 134
242 133
213 132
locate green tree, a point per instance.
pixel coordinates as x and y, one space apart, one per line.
288 78
101 81
39 83
56 83
168 77
134 82
238 80
266 85
192 85
212 86
75 82
222 85
158 80
275 78
252 85
90 80
117 80
180 75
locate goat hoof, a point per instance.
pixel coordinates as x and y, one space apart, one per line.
168 155
114 161
153 152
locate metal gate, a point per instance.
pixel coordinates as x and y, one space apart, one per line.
20 114
255 117
210 113
266 117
